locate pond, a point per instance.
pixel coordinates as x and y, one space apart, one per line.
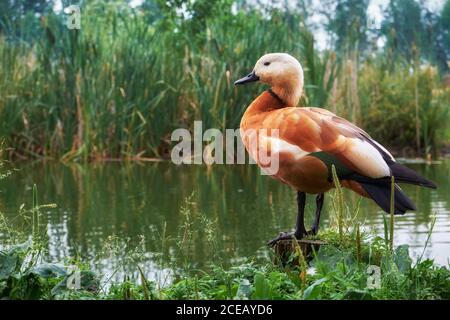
165 217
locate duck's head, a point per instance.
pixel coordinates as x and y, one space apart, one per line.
282 72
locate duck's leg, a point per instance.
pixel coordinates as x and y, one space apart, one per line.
319 204
300 229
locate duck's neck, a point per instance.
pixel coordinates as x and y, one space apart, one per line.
290 94
254 115
274 98
265 102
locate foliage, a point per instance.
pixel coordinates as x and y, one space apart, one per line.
348 24
445 24
24 276
337 275
414 31
111 90
388 101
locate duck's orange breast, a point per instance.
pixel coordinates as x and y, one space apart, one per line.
272 132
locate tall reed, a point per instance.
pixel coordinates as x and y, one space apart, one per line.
120 85
392 210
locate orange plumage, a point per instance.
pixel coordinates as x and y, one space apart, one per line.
311 130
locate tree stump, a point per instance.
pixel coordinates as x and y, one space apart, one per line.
287 251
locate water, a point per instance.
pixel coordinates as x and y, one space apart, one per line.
110 212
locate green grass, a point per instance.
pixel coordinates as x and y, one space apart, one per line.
118 87
339 274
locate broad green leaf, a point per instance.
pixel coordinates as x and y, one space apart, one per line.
244 289
20 248
262 287
48 270
402 258
88 282
8 264
313 291
329 257
3 287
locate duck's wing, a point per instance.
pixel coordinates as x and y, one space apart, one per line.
356 156
350 149
338 142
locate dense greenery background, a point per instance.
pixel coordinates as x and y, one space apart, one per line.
120 85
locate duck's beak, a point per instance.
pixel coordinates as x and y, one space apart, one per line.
251 77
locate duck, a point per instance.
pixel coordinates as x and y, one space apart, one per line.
310 141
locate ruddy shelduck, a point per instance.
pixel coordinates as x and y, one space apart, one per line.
310 141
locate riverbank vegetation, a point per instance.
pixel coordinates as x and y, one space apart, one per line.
116 88
345 268
338 275
353 264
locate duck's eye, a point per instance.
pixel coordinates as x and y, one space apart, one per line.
266 63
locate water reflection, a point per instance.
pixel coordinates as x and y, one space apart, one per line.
172 215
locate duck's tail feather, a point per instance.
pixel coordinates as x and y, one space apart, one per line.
381 194
400 172
406 175
379 190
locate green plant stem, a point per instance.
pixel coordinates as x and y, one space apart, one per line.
392 210
340 202
358 243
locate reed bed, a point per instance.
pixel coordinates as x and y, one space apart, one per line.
118 87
